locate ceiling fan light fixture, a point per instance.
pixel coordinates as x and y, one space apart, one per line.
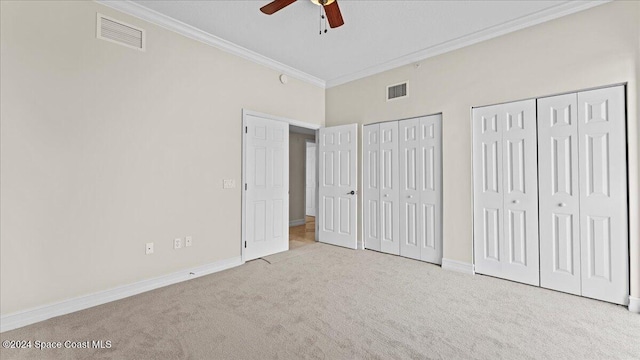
322 2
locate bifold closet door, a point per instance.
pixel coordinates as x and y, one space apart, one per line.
559 193
603 194
409 192
583 194
421 188
389 211
505 191
371 186
430 186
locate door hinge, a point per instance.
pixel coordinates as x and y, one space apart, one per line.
246 129
245 244
245 186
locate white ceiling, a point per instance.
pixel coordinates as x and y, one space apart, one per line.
375 32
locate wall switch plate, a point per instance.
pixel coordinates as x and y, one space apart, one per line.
148 249
228 184
177 243
188 241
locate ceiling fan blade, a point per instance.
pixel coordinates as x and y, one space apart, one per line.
333 15
276 5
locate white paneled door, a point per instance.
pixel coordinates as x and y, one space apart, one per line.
389 212
430 186
267 187
603 194
337 192
371 186
409 148
559 193
505 191
421 188
583 194
310 180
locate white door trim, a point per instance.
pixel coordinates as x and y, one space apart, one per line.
245 113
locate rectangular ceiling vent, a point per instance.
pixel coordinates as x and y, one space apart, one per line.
397 91
118 32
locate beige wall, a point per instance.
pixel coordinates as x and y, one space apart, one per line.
592 48
297 178
104 148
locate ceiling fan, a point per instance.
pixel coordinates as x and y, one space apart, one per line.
330 8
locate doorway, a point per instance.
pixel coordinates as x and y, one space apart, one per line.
302 186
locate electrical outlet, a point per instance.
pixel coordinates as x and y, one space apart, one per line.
188 241
228 184
177 243
148 250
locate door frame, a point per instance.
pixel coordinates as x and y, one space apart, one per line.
245 113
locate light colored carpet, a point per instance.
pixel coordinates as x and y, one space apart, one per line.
325 302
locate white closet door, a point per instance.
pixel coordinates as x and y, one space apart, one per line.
505 191
371 179
487 191
520 171
429 182
409 147
603 194
389 219
559 193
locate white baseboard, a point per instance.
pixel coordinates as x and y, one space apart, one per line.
31 316
458 266
296 222
634 304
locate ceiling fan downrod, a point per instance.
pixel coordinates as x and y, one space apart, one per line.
323 17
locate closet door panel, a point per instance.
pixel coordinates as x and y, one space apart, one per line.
520 170
559 193
603 194
410 180
488 192
371 182
430 187
389 195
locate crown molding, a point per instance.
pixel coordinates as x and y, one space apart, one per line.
555 12
169 23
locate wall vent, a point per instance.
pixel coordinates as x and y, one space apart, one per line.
397 91
118 32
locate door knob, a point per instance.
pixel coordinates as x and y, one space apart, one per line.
410 196
562 204
351 192
386 195
516 201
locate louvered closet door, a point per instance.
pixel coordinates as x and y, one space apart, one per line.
505 191
430 187
371 178
409 147
559 193
389 211
603 194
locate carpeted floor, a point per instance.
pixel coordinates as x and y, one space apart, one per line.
325 302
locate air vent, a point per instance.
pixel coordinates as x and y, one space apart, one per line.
397 91
120 33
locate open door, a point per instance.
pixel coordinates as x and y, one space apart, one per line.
337 192
266 192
